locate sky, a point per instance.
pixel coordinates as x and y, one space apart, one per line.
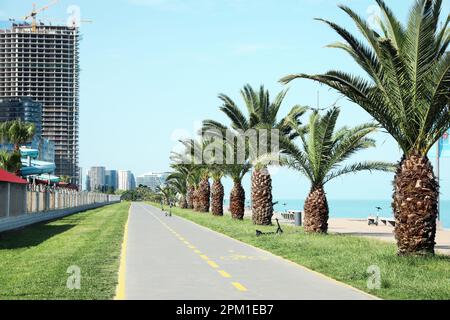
151 71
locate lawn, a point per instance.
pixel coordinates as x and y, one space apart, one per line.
344 258
34 261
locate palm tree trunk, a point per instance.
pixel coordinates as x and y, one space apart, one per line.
195 198
190 197
237 201
204 193
415 205
217 195
316 211
183 202
262 205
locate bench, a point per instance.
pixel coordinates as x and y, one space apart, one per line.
372 220
388 221
288 216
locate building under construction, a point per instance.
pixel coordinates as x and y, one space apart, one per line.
41 62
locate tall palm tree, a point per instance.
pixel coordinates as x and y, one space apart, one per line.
178 181
217 190
321 159
261 115
17 132
408 93
10 161
167 193
204 191
237 195
199 176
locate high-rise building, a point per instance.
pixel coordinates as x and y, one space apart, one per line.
44 65
111 179
152 179
125 180
97 178
88 183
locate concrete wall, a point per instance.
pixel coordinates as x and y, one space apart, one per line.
16 222
22 205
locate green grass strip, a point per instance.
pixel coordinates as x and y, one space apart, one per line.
34 261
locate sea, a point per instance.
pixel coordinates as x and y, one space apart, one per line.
357 209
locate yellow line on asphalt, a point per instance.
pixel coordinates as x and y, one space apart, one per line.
213 264
224 274
239 286
120 290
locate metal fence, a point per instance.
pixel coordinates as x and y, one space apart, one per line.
41 198
22 205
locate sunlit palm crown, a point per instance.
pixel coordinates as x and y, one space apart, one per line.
178 180
17 131
323 150
408 90
261 112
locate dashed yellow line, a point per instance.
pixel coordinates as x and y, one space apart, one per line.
120 290
239 286
211 263
224 274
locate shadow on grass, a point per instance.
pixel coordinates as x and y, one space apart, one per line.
31 236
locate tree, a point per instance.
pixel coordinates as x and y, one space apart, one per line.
10 161
17 132
408 93
178 181
202 192
217 190
237 195
261 116
321 159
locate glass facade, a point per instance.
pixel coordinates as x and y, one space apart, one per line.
25 109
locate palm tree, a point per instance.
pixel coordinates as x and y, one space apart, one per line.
204 191
178 181
237 195
262 115
17 132
198 179
408 94
10 161
321 160
217 190
167 192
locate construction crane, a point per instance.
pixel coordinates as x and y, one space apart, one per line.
34 13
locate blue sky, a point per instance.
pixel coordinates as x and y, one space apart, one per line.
152 69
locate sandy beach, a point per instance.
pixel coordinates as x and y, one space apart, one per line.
359 227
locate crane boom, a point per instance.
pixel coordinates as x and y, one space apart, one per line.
32 15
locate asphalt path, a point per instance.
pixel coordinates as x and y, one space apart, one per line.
172 258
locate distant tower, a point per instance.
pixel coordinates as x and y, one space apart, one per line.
44 66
